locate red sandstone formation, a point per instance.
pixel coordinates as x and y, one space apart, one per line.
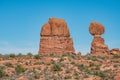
115 51
55 27
55 37
98 44
96 28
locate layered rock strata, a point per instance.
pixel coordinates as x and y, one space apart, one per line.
55 37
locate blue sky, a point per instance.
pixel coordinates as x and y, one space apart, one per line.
22 20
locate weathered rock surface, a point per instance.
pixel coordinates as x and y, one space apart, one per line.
96 28
117 77
115 51
98 45
55 37
55 27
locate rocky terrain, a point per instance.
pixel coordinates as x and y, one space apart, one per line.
57 60
60 67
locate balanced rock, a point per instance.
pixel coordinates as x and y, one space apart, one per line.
55 37
98 45
96 28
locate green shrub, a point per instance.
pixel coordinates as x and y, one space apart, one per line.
61 59
20 54
116 56
52 55
100 74
68 77
29 54
92 64
2 72
56 67
19 69
82 67
116 65
73 63
38 63
12 55
36 76
67 71
37 56
93 58
8 64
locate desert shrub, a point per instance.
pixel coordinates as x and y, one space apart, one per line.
116 56
2 72
82 67
38 63
73 63
93 58
77 77
19 69
36 76
97 73
67 77
56 67
19 54
27 63
92 64
97 67
12 55
116 65
52 55
1 55
37 56
29 54
67 71
61 59
8 64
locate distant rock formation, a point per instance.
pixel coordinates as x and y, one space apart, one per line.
96 29
115 51
55 37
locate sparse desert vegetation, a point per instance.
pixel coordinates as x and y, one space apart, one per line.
66 66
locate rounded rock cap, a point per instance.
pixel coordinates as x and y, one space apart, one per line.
55 27
96 28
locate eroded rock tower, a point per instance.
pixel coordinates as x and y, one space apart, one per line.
55 37
96 29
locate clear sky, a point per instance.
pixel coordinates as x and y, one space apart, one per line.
22 20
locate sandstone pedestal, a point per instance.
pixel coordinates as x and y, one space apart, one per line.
55 37
98 45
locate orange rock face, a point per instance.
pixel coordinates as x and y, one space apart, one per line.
115 51
96 28
98 45
55 37
55 27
